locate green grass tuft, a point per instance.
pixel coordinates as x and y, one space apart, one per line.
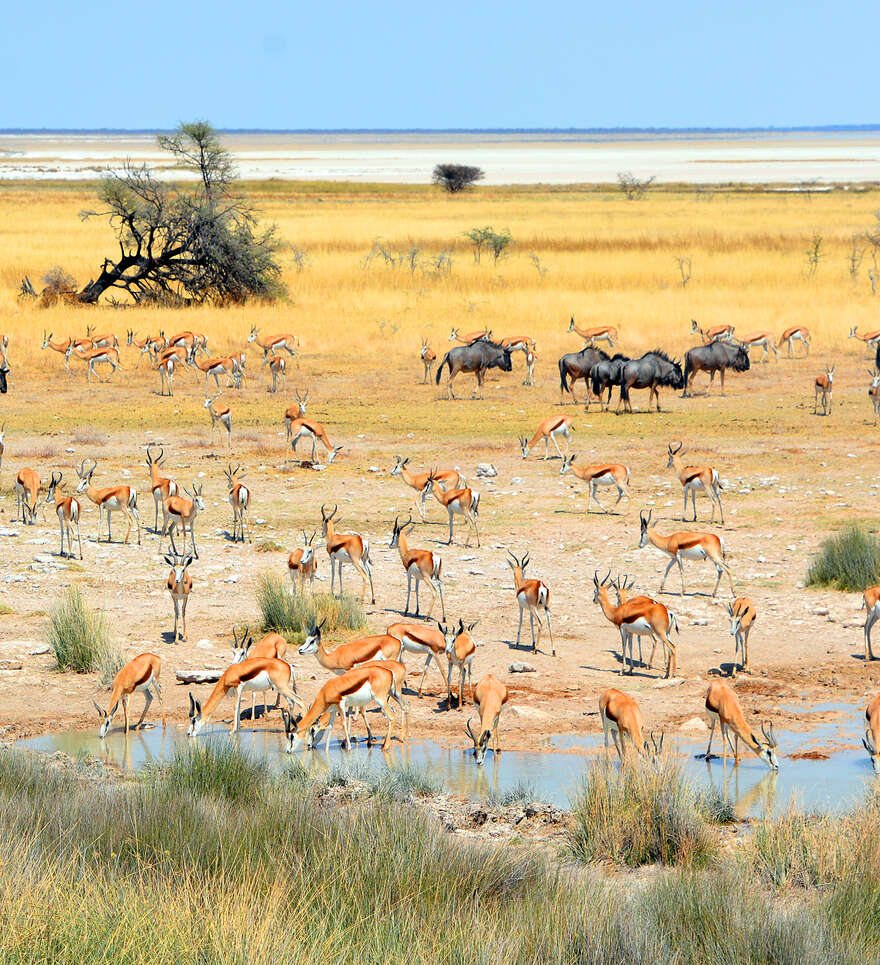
849 560
79 637
291 614
215 768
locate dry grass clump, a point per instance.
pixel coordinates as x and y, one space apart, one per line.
291 614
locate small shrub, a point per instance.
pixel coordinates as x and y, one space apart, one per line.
848 561
215 769
268 546
795 849
521 793
291 614
79 638
456 177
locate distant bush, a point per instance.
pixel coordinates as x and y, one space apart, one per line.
456 177
849 561
79 638
292 614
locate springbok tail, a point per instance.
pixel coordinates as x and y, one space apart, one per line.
438 566
475 505
673 621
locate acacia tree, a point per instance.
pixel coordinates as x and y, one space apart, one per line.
456 177
185 242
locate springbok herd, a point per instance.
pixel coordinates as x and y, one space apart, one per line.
371 669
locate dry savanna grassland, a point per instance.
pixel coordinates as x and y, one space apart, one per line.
791 477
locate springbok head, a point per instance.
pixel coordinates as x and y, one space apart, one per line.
54 483
672 451
524 446
195 494
871 748
599 584
253 335
571 324
196 721
233 476
645 523
154 460
47 337
480 743
85 474
399 465
241 645
179 563
566 463
308 547
327 519
735 619
302 400
398 529
453 335
655 748
313 637
515 563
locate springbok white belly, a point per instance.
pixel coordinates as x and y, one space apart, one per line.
146 684
112 504
637 627
694 553
358 698
340 556
606 479
260 682
695 483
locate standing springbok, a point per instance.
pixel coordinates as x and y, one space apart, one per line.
622 717
160 486
179 585
92 356
717 333
824 386
871 603
693 478
244 648
460 650
470 337
764 340
215 367
428 357
346 548
277 369
294 412
239 500
490 696
63 348
548 430
2 443
446 478
871 340
742 615
424 641
274 343
67 509
599 333
638 617
303 563
873 394
531 595
110 499
140 673
797 333
181 512
600 474
219 413
27 489
170 359
871 740
686 546
421 566
462 502
531 357
723 707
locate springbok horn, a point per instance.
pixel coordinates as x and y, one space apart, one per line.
469 732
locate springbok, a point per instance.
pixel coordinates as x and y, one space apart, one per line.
2 443
824 386
294 412
346 548
299 427
724 708
271 645
428 357
424 641
686 546
219 413
531 595
717 333
102 341
797 333
141 673
179 585
161 486
531 357
764 340
548 430
462 502
67 509
63 348
239 500
599 333
303 563
421 566
873 393
110 499
871 603
181 511
274 343
460 650
446 478
27 488
92 356
871 740
742 615
170 359
258 673
693 478
215 367
622 717
470 337
871 340
600 474
277 369
490 696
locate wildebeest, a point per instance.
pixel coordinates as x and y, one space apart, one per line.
606 374
651 371
477 358
579 365
712 358
4 368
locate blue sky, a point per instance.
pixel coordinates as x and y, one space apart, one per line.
395 64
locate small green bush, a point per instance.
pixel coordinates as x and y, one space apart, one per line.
849 561
215 768
79 637
291 614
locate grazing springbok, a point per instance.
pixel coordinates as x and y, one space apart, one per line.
599 333
181 512
460 650
686 546
742 614
693 478
824 386
303 563
652 371
871 339
797 333
161 486
421 566
446 479
258 674
274 343
271 645
873 394
428 357
27 489
724 708
548 430
110 499
477 358
531 595
462 502
490 696
346 548
219 413
600 474
764 340
67 509
277 369
310 430
714 334
424 641
179 584
622 717
92 356
871 603
140 673
470 337
239 500
638 617
871 740
718 356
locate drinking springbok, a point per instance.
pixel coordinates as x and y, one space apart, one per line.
446 479
742 614
110 499
824 386
160 486
724 708
686 546
271 645
797 333
599 474
239 500
871 740
460 650
462 502
599 333
548 430
222 414
490 696
421 566
346 548
622 717
27 488
141 673
67 509
303 563
179 585
693 478
428 357
764 340
531 595
871 603
478 358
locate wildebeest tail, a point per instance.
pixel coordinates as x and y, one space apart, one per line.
687 368
440 368
563 381
595 381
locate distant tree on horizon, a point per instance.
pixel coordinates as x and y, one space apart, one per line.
456 177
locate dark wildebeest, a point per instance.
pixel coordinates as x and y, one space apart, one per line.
4 368
579 365
607 374
477 358
712 358
651 371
